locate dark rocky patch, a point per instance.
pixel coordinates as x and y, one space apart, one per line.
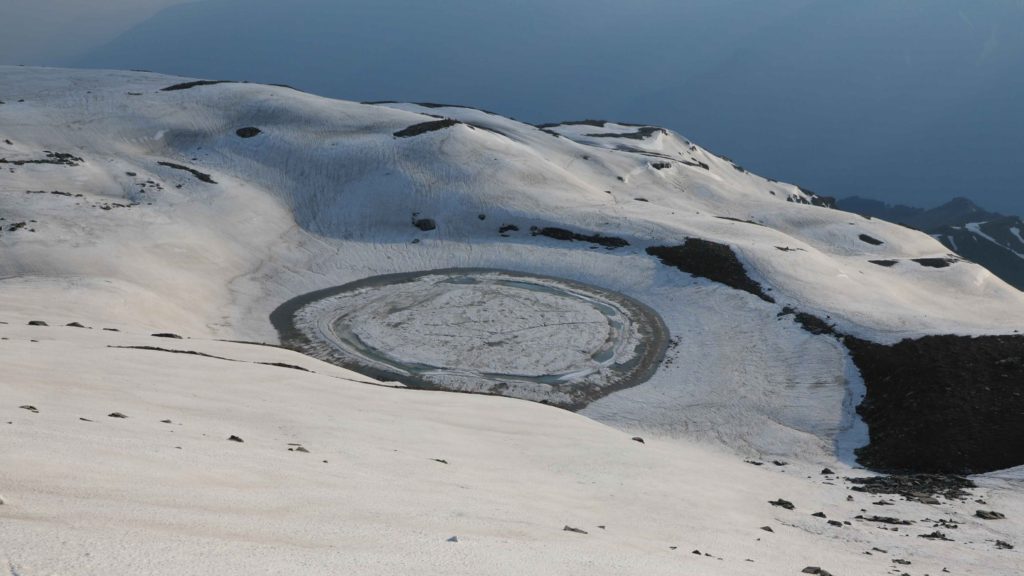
915 486
815 570
936 535
37 323
641 134
436 105
75 325
711 260
638 439
283 365
936 262
870 240
810 322
885 263
1003 545
193 84
423 128
731 219
156 349
30 408
116 415
57 158
166 335
506 228
234 438
944 404
884 520
609 242
819 200
588 122
248 132
201 176
574 530
780 503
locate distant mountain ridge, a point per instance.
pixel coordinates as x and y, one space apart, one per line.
993 240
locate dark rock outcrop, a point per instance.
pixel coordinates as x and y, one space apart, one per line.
948 404
711 260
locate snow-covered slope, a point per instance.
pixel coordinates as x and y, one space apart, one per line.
389 476
326 194
987 238
200 210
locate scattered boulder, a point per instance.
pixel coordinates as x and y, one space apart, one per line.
815 570
248 132
440 460
870 240
568 528
37 323
827 472
638 439
990 515
425 224
30 408
767 529
116 415
453 539
74 325
234 438
783 504
166 335
936 535
1003 545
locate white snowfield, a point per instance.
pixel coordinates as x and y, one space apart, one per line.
326 195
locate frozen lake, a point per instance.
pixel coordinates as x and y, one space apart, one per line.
484 331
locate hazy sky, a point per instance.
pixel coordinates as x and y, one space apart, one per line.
48 31
913 101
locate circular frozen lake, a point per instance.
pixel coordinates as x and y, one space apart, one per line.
484 331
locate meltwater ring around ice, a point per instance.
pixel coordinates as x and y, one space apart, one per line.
480 330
